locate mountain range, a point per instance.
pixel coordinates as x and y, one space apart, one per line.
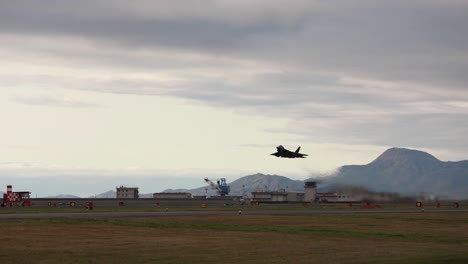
397 170
407 172
249 184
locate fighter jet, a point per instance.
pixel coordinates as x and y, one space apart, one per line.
284 153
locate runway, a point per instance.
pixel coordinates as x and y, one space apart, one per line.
110 215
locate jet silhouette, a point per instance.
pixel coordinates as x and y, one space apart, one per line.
281 152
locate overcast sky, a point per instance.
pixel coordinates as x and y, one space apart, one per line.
189 89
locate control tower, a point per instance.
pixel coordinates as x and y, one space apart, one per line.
310 191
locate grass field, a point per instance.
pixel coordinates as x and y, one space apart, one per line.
363 238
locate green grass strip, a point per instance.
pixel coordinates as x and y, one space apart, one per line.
316 231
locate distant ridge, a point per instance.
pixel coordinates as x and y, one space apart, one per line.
108 194
250 183
265 182
409 172
63 196
113 194
396 170
403 154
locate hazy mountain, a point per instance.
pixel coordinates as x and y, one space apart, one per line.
408 172
108 194
113 194
182 190
63 196
248 184
397 170
262 182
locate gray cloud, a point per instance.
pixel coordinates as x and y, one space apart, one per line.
421 41
416 50
52 101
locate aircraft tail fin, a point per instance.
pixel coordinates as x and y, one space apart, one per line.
297 150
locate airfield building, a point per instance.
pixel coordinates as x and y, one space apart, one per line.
178 195
277 196
335 197
127 192
296 196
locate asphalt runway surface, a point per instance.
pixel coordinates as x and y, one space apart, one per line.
89 214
